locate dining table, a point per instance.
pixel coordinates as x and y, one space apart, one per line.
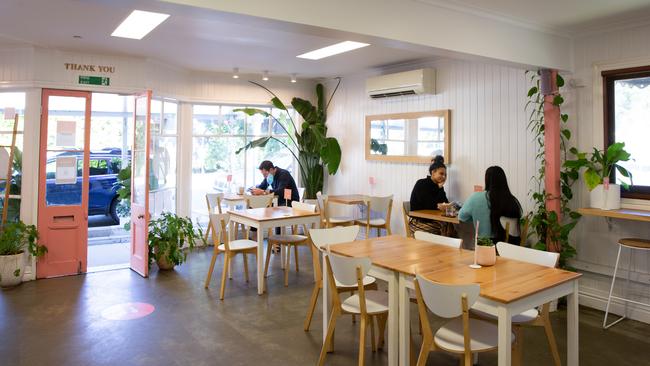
507 288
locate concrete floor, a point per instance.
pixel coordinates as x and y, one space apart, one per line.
58 322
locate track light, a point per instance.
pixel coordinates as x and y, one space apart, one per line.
265 75
293 78
235 73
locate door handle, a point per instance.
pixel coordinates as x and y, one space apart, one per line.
141 216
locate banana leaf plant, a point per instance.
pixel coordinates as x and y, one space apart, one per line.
601 164
316 151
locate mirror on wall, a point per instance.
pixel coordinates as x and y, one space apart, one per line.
408 137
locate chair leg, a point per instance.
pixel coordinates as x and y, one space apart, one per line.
373 344
381 322
295 252
362 339
424 351
207 232
287 258
551 341
611 290
312 306
517 346
388 232
329 338
215 253
378 232
268 258
226 265
246 267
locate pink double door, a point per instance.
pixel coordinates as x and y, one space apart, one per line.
64 183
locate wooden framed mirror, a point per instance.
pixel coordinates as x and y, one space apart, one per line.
409 137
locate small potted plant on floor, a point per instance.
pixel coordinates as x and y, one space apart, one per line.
486 254
15 239
168 235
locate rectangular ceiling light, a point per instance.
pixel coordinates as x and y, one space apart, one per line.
138 24
332 50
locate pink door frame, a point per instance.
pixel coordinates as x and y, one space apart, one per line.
552 150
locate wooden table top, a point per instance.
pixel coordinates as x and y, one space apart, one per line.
348 199
272 213
508 280
623 213
433 215
233 197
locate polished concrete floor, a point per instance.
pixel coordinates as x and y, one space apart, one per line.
59 322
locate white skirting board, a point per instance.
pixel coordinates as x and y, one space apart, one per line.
596 300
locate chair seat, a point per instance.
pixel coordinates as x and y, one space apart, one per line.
484 336
366 281
525 317
239 245
340 219
287 238
376 303
373 222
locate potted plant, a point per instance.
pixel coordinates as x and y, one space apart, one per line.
315 149
486 254
599 168
168 234
15 239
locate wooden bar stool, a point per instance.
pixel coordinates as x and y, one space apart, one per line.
631 244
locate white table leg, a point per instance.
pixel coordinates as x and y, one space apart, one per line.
572 326
260 260
404 322
505 335
393 319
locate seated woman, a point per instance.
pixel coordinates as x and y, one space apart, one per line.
427 194
489 206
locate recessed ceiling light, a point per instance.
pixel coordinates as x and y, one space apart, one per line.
265 75
138 24
293 78
235 73
332 50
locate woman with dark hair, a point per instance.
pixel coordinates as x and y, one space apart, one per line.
427 194
489 206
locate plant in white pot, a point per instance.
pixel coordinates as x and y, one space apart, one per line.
168 235
599 167
486 254
16 238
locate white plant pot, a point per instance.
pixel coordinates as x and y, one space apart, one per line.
606 199
12 268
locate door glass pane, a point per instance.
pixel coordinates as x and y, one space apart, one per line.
66 190
162 181
65 129
139 177
170 118
140 123
156 117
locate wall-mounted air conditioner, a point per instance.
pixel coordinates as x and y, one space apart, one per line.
421 81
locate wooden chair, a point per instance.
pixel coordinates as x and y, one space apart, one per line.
229 248
321 238
462 335
406 208
287 241
511 227
369 305
381 205
439 239
328 221
531 317
261 201
214 206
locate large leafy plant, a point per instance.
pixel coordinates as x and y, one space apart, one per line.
16 237
123 185
601 164
315 149
168 234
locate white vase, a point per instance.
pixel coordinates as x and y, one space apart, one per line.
606 199
12 268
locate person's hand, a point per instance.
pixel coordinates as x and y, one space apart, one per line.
257 191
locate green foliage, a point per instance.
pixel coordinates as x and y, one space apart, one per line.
16 237
545 226
167 236
123 184
377 147
315 149
601 164
485 241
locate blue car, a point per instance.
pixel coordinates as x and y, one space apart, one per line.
102 194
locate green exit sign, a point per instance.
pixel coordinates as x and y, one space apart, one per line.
94 80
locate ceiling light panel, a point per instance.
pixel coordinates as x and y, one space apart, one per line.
138 24
332 50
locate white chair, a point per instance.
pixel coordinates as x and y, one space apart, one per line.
438 239
369 305
261 201
321 239
214 206
382 206
511 227
229 248
462 335
287 241
532 317
328 220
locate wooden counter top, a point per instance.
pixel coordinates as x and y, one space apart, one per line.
623 213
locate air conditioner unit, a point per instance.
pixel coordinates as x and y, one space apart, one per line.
421 81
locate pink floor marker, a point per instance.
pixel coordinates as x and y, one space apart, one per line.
128 311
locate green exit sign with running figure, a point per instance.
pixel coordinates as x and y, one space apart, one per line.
94 80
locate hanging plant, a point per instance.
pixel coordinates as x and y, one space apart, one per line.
547 229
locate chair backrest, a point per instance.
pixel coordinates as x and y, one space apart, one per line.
322 199
259 201
303 206
406 208
439 239
214 202
301 193
530 255
445 300
335 235
219 222
381 205
344 269
510 225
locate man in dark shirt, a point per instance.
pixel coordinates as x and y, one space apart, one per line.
276 180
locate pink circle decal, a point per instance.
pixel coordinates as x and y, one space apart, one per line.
128 311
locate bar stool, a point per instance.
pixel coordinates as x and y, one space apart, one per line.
631 244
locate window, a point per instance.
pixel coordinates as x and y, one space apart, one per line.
218 132
16 101
162 179
627 105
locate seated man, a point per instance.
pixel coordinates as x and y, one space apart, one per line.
276 180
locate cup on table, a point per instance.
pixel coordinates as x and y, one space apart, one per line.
240 190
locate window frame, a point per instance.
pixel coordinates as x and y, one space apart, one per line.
609 122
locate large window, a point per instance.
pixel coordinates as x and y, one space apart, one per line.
218 132
627 107
162 176
16 101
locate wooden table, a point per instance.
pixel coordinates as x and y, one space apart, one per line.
507 288
623 213
349 199
266 218
434 215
